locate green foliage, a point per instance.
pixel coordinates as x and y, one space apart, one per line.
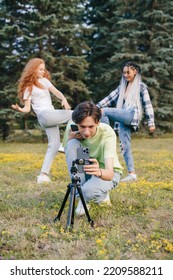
133 30
84 44
51 30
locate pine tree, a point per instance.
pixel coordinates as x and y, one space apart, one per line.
139 31
48 29
159 19
100 77
8 70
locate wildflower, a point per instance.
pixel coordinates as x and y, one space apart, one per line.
99 242
101 252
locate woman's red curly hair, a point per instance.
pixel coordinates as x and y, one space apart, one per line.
29 78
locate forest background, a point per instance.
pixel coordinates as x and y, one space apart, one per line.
84 43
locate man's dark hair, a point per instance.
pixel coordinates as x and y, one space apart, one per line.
86 109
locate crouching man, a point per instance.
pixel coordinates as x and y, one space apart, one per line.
103 174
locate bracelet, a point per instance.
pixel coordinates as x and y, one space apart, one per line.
100 173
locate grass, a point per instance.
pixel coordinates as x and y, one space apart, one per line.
139 225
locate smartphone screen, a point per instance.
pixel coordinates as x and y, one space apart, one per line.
74 127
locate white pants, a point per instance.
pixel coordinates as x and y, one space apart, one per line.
93 188
50 120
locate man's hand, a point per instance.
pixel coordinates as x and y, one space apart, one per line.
74 135
93 168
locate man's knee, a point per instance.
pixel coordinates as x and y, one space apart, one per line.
72 145
88 195
90 192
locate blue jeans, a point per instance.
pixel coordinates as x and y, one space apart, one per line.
124 118
93 188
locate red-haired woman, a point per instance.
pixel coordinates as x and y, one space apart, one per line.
34 89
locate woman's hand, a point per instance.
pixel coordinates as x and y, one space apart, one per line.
151 128
93 168
16 107
25 109
60 96
65 104
102 110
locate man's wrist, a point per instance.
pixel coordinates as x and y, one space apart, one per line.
100 176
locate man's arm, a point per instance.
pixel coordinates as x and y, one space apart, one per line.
106 174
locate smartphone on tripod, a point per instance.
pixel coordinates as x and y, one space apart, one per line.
83 156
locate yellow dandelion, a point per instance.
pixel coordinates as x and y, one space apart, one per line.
99 242
101 252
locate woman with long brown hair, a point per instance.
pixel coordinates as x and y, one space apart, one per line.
34 89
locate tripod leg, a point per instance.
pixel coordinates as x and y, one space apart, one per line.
70 219
84 205
63 204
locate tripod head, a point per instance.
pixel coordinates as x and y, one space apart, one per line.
73 171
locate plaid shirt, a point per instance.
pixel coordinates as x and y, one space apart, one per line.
112 98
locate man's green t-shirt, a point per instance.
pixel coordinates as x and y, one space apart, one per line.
102 145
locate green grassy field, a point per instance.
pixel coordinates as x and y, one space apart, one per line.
139 225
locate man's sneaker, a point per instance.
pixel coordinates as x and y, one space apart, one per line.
106 201
80 209
61 149
43 178
129 178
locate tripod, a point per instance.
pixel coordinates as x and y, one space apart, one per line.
71 190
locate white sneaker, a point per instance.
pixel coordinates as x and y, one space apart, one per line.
80 209
106 200
130 177
61 149
43 178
